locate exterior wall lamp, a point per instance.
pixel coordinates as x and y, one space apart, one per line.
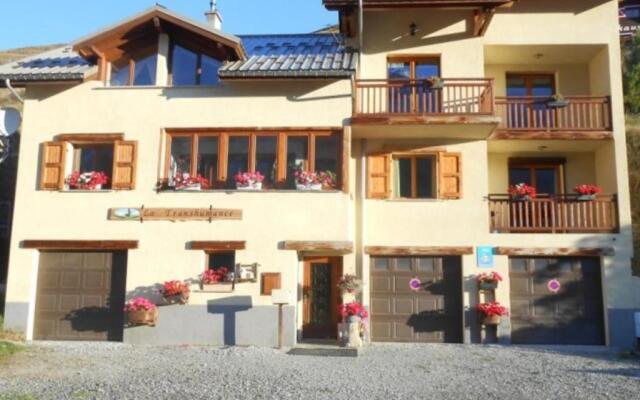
413 29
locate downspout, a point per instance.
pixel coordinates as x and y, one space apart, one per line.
13 91
360 34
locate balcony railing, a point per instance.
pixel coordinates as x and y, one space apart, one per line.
388 97
553 214
581 113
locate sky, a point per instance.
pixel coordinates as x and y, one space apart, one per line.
38 22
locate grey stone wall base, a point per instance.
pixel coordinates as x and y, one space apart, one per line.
16 316
216 325
622 328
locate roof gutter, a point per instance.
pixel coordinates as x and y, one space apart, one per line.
360 34
7 83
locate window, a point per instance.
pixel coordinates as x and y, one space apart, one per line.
533 113
414 175
108 154
135 71
92 158
414 96
546 175
224 259
191 68
219 156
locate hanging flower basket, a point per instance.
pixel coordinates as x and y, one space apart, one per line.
488 281
493 320
141 311
557 101
435 82
350 284
175 292
491 313
587 197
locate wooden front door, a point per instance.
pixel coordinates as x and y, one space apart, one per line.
321 297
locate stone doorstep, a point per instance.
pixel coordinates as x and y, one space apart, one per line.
324 350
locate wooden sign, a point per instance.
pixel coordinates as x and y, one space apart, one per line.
173 214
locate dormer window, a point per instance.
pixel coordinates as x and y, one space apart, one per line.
190 68
135 71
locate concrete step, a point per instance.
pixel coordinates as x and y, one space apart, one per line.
325 351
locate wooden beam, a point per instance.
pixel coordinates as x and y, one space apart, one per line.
400 119
555 251
316 246
545 135
481 20
217 245
90 138
418 250
80 244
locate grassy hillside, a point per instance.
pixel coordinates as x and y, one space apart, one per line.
6 100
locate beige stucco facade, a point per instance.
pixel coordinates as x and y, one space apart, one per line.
579 40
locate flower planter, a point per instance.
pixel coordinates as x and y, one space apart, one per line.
488 285
493 320
142 317
558 104
435 85
313 187
251 186
190 188
587 197
521 198
177 299
221 287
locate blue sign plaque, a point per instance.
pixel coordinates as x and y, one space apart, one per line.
485 256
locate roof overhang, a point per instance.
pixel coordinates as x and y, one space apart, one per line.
115 40
483 10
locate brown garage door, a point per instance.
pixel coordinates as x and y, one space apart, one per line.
573 315
80 296
431 314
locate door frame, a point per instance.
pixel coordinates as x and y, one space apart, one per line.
412 60
557 164
336 272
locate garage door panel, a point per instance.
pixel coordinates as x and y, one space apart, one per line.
432 314
520 285
573 315
382 284
403 306
76 299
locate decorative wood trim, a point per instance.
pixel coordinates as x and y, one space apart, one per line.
555 251
80 244
217 245
89 137
545 135
315 246
269 282
400 119
418 250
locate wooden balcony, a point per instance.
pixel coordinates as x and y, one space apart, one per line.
553 214
458 100
584 117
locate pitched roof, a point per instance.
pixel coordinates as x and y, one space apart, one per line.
61 64
317 55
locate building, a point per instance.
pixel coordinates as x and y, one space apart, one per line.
629 18
427 112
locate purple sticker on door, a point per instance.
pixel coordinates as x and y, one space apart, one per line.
554 286
415 284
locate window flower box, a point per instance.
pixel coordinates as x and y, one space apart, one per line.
186 182
522 192
435 82
314 181
557 101
249 180
217 280
587 192
86 180
141 311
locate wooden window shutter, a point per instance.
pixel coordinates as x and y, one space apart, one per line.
125 155
270 281
450 179
53 162
379 176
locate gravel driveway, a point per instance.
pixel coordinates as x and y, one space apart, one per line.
118 371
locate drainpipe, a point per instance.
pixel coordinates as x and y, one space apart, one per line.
7 83
360 34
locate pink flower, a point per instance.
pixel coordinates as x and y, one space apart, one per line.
139 304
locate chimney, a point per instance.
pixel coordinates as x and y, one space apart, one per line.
214 19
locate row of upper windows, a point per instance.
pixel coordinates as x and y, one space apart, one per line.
186 68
